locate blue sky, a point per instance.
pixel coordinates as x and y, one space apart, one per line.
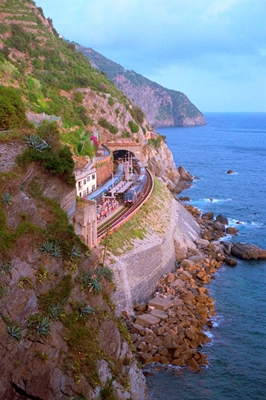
214 51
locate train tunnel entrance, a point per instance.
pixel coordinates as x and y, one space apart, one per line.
123 155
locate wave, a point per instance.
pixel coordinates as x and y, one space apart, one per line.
213 200
238 223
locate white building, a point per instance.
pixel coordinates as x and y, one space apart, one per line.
86 179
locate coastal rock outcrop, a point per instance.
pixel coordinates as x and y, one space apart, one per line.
247 251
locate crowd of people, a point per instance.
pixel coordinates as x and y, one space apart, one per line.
106 207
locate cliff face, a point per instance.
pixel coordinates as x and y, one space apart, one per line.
163 107
59 337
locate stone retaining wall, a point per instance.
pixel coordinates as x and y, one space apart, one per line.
138 271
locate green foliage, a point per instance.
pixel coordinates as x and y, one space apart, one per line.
3 290
36 142
42 274
78 97
111 101
56 311
52 249
60 231
14 331
85 310
5 267
25 281
106 272
56 296
7 198
137 114
133 127
12 110
105 124
39 324
20 39
107 392
125 134
156 143
56 163
75 252
80 142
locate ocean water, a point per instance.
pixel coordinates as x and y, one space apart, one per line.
237 352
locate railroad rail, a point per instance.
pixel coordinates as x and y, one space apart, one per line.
125 213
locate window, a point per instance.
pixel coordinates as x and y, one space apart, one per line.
84 181
93 187
79 184
80 194
88 178
93 177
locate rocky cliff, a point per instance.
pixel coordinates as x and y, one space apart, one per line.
163 107
59 336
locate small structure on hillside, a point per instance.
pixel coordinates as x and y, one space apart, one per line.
86 177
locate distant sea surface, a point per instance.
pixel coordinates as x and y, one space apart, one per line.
237 352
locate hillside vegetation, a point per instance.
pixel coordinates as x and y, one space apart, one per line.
55 81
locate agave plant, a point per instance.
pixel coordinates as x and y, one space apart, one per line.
52 249
85 310
44 326
3 290
84 278
36 142
106 272
14 331
94 285
56 311
5 267
7 198
75 252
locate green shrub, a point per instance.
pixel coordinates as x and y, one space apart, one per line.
137 114
133 127
12 109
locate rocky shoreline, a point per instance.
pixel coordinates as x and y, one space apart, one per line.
170 328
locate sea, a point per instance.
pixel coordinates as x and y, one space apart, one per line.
237 351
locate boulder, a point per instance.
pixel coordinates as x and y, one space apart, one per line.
160 303
218 226
230 261
147 320
184 198
231 230
222 219
208 215
247 251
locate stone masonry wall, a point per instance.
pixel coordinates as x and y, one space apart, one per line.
138 271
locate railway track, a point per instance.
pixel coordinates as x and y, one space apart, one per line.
124 214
